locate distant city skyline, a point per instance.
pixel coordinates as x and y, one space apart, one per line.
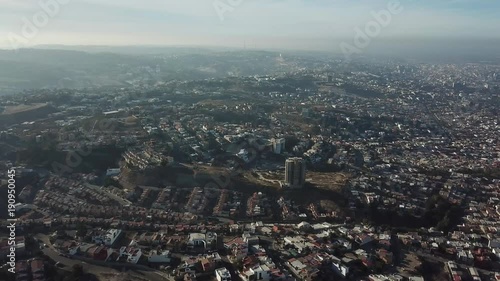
293 24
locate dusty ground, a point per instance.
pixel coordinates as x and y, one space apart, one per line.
322 181
409 266
263 179
322 188
328 181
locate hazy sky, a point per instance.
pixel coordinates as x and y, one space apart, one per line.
301 24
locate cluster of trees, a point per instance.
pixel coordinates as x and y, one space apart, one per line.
440 213
233 117
108 181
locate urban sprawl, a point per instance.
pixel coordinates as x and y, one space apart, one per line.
368 171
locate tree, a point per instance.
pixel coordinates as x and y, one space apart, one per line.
61 233
81 230
112 182
77 270
290 143
238 264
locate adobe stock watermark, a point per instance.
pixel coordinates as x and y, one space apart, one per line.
372 29
223 6
31 26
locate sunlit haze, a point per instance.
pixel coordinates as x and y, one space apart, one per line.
294 24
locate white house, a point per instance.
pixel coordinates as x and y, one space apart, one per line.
132 254
222 274
258 272
108 238
250 239
112 172
299 242
304 225
200 240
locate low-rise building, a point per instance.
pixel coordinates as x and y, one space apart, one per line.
222 274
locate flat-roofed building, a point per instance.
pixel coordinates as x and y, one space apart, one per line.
222 274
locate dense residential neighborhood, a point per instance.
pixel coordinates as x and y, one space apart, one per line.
372 171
